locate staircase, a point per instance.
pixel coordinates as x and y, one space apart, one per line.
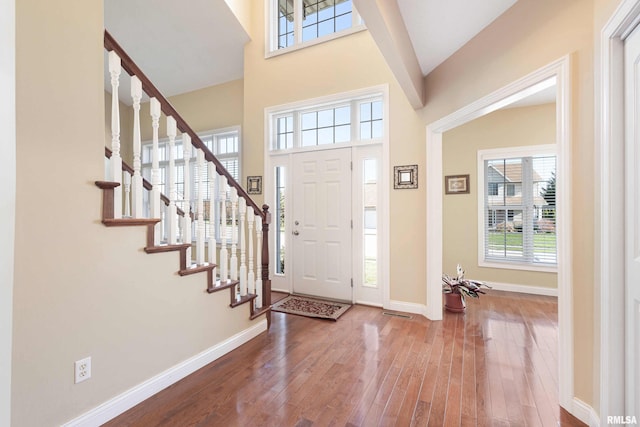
172 219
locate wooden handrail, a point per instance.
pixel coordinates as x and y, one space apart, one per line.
132 69
146 184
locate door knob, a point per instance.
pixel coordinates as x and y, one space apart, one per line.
296 232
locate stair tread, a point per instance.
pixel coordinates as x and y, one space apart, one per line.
165 248
126 222
194 268
244 299
220 286
259 312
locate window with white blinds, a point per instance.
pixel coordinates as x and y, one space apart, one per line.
225 144
519 206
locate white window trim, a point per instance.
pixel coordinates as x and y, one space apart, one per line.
271 31
505 153
179 162
297 109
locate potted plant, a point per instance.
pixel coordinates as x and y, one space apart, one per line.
457 288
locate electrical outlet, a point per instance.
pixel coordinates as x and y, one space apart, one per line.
83 370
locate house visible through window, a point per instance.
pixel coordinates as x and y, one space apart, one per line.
303 21
519 209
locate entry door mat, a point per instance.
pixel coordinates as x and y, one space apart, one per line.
311 307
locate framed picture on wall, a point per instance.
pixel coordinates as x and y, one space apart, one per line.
456 184
254 184
405 177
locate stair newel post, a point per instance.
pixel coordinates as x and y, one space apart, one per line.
136 192
115 68
126 177
173 192
224 255
258 261
251 277
186 197
154 105
233 263
212 215
266 282
200 230
242 209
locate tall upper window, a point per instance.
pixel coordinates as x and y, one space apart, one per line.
519 207
295 22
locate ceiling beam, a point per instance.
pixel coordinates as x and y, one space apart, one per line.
385 23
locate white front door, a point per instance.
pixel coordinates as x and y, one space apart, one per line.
322 223
632 222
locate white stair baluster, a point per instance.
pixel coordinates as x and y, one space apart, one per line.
156 211
126 177
115 69
186 197
259 261
212 216
200 259
233 264
137 189
224 262
251 277
242 208
173 193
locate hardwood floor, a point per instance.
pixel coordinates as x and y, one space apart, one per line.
494 365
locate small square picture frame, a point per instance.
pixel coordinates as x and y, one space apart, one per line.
405 177
456 184
254 185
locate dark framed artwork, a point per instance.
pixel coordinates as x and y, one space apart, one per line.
254 184
405 176
456 184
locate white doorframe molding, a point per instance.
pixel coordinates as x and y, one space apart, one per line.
7 198
609 200
285 283
560 69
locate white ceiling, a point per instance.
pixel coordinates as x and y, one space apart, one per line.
188 45
438 28
180 45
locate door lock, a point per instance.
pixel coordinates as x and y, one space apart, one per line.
296 232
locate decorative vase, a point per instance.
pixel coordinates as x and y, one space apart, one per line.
453 303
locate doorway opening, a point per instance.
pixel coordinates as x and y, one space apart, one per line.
560 70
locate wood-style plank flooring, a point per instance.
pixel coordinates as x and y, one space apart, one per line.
496 365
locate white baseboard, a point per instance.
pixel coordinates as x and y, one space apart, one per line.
585 413
127 400
534 290
407 307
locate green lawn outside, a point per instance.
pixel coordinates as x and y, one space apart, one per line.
542 242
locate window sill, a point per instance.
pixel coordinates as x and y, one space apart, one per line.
514 265
329 37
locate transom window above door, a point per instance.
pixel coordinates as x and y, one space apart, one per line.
298 23
344 122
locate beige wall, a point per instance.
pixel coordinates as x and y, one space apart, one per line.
82 289
511 127
206 109
348 63
528 36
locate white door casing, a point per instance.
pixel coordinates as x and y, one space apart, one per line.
560 69
322 224
632 222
